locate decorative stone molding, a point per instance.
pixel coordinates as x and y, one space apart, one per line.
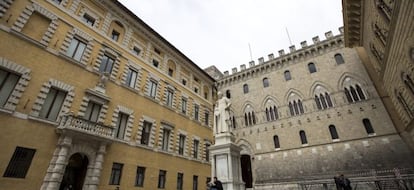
84 106
192 148
4 6
172 89
25 16
182 132
110 53
95 16
138 69
128 128
170 139
21 84
153 78
44 91
82 36
152 133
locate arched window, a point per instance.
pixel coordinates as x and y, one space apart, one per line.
296 108
354 94
292 113
233 119
323 101
287 75
409 83
300 107
360 93
265 82
318 102
334 133
246 88
228 94
303 137
275 113
312 68
276 141
246 123
267 115
328 100
404 104
368 126
253 118
348 95
339 59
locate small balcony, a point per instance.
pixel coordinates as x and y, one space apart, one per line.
78 126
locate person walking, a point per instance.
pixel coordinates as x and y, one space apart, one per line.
217 184
338 182
345 183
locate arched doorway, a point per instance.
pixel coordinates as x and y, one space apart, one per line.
75 172
246 167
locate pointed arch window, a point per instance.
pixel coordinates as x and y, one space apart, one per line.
249 118
276 141
303 138
368 126
334 133
409 84
246 88
287 75
323 101
265 82
312 68
296 107
404 104
339 59
354 94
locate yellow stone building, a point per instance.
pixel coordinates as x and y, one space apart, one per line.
92 97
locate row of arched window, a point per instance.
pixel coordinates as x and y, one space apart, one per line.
311 67
332 130
403 100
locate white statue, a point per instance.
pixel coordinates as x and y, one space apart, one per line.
221 114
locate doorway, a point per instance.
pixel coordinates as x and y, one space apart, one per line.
246 170
75 172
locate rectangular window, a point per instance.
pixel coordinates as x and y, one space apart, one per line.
57 1
195 151
153 89
8 82
116 174
136 50
121 125
92 111
106 64
181 145
157 51
196 90
170 96
196 111
139 181
131 78
88 19
53 104
155 63
206 117
161 179
165 139
184 82
19 163
170 72
180 179
76 49
115 35
195 182
146 133
207 152
184 105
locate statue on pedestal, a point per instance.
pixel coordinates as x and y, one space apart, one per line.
221 114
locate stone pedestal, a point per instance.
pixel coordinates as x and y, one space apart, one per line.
226 162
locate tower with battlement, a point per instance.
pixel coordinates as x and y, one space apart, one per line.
309 114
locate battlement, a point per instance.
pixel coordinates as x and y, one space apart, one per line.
294 54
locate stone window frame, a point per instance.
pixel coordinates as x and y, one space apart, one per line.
321 91
85 10
172 89
27 13
271 110
106 51
249 116
148 119
100 100
130 124
82 36
199 153
184 96
63 3
312 67
44 91
169 127
138 69
339 59
196 104
4 6
404 110
295 98
21 85
136 44
182 132
208 119
152 78
206 143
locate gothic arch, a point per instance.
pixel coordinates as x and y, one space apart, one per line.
314 86
342 82
292 92
246 147
269 98
246 106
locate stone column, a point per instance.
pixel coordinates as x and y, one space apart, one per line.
97 168
58 169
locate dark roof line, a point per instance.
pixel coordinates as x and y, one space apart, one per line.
159 36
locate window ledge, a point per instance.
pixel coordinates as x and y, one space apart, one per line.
44 120
336 140
277 149
303 145
6 110
372 134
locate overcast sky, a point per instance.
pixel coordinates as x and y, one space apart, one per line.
218 32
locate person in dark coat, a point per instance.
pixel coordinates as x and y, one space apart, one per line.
217 184
345 183
338 182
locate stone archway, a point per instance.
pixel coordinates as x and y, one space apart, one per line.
75 172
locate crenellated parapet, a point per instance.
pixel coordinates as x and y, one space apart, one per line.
284 59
